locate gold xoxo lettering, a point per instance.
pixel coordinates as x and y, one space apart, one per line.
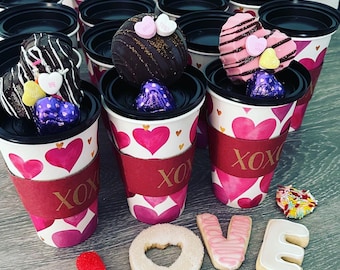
176 175
258 160
79 195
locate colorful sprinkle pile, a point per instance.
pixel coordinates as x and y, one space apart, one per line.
295 203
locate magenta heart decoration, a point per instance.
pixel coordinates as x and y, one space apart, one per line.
41 223
149 216
154 201
68 238
281 112
122 139
220 194
193 131
249 203
146 28
311 64
234 186
265 182
66 157
29 169
300 45
76 219
245 128
152 140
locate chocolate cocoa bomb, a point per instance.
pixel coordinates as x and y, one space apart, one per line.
52 54
137 59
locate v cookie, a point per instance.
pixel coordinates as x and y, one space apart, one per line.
225 253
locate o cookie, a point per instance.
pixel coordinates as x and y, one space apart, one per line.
160 236
225 253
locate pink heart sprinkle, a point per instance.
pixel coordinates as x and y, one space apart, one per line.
255 46
146 28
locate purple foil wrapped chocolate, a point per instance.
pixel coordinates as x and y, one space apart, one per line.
263 84
154 97
53 115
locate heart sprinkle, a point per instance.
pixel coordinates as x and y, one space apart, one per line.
146 28
255 46
51 115
90 260
269 60
50 82
154 97
264 85
165 27
32 93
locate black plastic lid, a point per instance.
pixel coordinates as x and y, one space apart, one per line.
252 2
11 3
202 29
40 17
23 131
300 18
94 11
119 96
97 41
295 80
180 7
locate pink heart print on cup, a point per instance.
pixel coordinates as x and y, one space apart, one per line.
152 140
152 210
65 157
122 139
245 128
29 168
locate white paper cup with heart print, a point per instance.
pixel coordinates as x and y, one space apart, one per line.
202 31
57 175
155 150
246 135
311 25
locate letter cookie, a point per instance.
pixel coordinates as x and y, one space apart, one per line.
225 253
160 236
282 247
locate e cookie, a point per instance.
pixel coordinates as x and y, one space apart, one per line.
282 247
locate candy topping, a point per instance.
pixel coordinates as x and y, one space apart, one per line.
295 203
32 92
50 82
165 26
51 115
154 97
146 28
264 85
269 60
255 46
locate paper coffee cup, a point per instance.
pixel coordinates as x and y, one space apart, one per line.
246 6
56 176
246 135
202 30
155 151
311 25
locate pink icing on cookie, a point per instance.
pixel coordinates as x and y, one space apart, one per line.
237 61
225 253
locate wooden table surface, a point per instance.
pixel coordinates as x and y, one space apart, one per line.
310 160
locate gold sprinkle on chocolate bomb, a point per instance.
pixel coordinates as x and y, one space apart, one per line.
137 59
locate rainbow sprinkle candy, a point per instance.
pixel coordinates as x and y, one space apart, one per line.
295 203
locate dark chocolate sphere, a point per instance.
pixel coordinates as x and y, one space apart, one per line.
137 59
